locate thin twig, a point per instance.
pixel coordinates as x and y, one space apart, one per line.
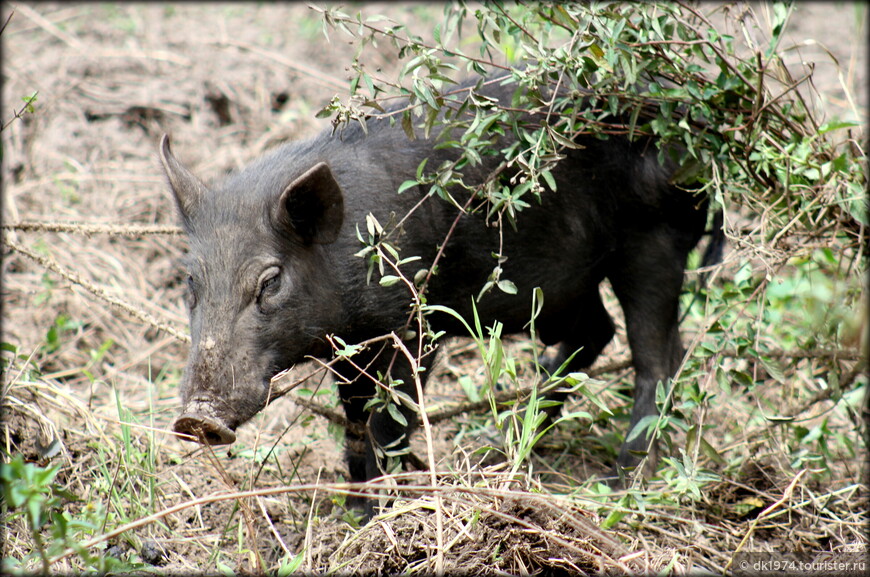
313 73
50 27
18 113
430 449
89 229
8 19
786 495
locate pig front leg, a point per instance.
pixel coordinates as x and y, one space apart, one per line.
372 449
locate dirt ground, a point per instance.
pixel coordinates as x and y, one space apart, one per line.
228 81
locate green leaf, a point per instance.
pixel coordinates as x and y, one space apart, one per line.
691 438
711 453
774 369
34 509
549 179
373 226
291 566
837 125
641 427
613 518
29 101
425 93
397 415
15 495
408 125
507 286
596 51
575 415
225 569
688 171
420 168
469 388
370 85
43 477
406 185
560 139
374 104
593 397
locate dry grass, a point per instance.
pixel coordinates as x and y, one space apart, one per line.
94 311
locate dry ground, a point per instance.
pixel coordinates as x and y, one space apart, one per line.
229 81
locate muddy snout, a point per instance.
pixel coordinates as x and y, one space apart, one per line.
200 423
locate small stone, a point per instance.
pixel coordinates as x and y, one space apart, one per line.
153 554
116 551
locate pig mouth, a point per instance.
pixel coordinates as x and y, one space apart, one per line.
204 430
199 423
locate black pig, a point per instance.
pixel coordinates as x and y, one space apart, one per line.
272 271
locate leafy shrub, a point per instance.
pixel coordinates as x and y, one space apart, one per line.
742 127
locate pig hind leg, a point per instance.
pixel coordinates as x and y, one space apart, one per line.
647 282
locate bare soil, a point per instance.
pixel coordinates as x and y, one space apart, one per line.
228 81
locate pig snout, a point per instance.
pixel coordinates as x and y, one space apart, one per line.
199 421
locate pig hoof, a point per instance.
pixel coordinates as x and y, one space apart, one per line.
203 430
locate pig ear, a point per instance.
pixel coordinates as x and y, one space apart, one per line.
312 206
187 188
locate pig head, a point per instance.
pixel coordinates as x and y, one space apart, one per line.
253 248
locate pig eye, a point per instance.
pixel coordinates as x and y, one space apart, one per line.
191 292
270 282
